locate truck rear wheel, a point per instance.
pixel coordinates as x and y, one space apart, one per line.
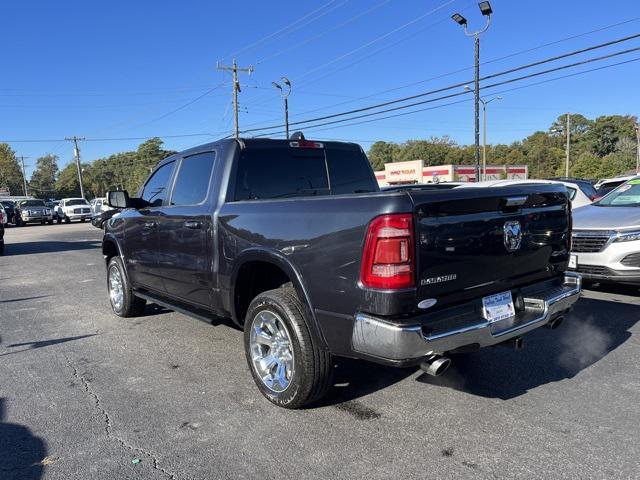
123 302
289 370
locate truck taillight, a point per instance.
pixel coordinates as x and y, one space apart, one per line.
388 257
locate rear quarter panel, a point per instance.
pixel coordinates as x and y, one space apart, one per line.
320 237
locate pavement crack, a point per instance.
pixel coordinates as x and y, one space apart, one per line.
108 425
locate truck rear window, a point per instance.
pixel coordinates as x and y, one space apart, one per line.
265 173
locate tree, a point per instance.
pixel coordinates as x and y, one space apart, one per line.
10 171
43 179
587 165
579 125
608 130
380 153
67 184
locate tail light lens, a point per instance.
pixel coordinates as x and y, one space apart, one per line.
388 258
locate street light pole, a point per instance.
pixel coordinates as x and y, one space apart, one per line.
285 96
484 134
485 9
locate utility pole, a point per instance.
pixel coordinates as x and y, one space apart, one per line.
486 10
285 96
637 149
76 154
566 173
236 88
24 176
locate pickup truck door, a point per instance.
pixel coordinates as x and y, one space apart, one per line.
186 228
142 238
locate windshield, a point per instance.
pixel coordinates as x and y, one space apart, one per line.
32 203
77 201
627 195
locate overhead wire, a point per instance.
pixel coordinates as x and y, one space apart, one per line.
450 87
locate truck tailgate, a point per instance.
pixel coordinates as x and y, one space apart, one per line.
478 241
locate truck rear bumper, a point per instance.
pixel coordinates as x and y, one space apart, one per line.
461 326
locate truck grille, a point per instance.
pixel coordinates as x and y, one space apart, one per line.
81 210
589 243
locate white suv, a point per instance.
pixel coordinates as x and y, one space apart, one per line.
606 237
74 209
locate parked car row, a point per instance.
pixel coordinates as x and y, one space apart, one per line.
23 212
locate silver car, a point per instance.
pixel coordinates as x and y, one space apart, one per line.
606 237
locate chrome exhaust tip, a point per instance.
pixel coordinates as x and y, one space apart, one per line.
436 366
555 323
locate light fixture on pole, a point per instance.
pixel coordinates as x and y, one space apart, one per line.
285 95
486 10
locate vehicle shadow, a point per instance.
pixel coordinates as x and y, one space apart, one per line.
43 343
548 356
23 454
28 248
356 378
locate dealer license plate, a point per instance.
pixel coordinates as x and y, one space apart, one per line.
573 261
498 307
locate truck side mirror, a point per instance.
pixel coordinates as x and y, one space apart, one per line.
118 199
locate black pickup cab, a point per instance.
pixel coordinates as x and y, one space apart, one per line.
295 243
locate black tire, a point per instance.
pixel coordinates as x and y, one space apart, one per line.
67 220
131 306
313 366
42 222
82 220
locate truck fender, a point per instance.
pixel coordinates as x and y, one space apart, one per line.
280 260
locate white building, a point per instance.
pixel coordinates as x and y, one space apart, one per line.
414 171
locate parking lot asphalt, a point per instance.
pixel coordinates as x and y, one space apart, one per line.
85 394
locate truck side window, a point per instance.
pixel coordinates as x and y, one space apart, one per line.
279 173
192 183
155 190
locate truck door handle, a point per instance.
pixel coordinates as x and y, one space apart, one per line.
193 224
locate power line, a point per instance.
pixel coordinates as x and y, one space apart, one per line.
367 44
450 87
459 101
319 35
285 28
412 84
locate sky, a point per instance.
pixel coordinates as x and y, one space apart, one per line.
117 72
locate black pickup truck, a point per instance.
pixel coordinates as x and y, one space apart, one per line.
294 241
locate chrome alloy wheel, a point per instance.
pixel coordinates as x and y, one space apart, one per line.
271 351
116 289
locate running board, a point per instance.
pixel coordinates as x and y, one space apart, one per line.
193 312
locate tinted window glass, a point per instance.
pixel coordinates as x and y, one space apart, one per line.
349 172
192 182
280 173
155 190
76 201
588 189
571 192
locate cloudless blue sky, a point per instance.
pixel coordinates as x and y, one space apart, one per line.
117 69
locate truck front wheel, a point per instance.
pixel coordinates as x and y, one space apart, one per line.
289 370
123 302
